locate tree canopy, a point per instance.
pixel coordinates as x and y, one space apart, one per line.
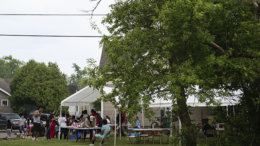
40 85
9 66
165 48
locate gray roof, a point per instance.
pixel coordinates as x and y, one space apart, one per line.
103 59
4 84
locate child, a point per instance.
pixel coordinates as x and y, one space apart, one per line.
56 130
28 128
9 129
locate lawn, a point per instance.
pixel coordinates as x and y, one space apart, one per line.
56 142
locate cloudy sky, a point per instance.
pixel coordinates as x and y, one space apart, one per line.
63 51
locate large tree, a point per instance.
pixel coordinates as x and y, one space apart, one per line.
165 48
38 85
9 66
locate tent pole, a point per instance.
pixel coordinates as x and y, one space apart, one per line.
115 130
59 121
89 109
75 109
171 122
120 123
102 109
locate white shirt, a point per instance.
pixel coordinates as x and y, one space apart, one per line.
63 122
108 121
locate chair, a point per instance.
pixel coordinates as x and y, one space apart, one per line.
165 134
210 132
131 137
149 136
106 138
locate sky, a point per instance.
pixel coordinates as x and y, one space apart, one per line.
63 51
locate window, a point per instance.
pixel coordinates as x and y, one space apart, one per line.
4 102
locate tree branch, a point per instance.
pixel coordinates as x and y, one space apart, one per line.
220 48
255 4
92 11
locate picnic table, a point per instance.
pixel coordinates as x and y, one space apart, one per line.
151 129
81 129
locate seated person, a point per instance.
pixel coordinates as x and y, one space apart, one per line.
104 130
205 128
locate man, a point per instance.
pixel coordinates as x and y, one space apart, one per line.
85 115
119 119
21 124
104 130
37 123
207 127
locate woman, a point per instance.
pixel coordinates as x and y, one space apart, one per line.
93 113
53 123
108 119
104 130
63 124
137 122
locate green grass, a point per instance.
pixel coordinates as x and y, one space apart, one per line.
56 142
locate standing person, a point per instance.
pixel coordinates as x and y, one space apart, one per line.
9 129
85 116
104 130
28 128
52 126
36 123
48 127
119 121
108 119
21 124
63 124
56 130
93 113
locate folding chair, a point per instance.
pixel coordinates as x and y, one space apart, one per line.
131 136
106 138
150 136
165 134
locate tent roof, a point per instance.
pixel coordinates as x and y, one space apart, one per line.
83 97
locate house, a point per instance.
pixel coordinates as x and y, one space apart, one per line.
5 91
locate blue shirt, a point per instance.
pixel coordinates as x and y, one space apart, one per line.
137 124
56 128
105 130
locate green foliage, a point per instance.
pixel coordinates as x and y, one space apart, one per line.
166 48
36 84
9 66
75 78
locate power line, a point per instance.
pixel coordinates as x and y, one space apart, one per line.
22 35
53 14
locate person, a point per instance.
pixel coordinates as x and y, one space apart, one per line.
36 123
28 128
205 128
21 124
9 129
119 121
63 124
108 119
93 113
104 130
56 130
52 126
48 135
137 122
85 115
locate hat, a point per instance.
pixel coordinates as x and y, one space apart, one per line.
23 116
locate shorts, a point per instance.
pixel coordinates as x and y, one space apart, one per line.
9 132
28 127
37 127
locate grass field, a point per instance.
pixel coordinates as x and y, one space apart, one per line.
56 142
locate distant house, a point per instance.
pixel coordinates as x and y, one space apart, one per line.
5 105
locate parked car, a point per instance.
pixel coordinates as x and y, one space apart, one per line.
13 117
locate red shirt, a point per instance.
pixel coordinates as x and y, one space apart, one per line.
95 115
124 116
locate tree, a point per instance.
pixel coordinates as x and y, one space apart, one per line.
36 84
9 66
166 48
76 77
